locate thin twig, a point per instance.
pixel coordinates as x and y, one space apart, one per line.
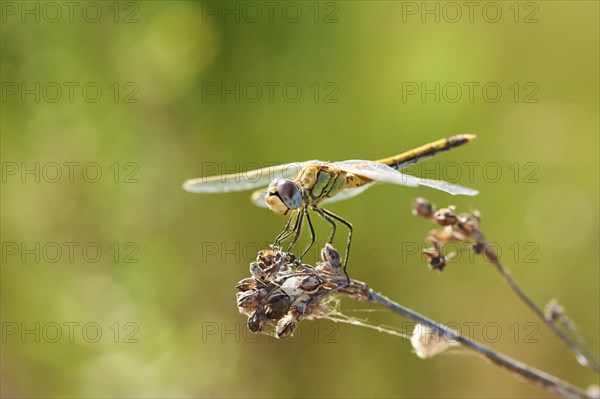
533 375
466 228
283 291
583 355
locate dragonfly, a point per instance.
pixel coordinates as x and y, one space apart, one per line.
298 188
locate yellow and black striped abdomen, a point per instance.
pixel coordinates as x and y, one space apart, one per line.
426 151
323 180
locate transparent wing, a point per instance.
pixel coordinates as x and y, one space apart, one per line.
348 193
244 180
383 173
258 198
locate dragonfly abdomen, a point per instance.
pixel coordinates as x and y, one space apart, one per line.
426 151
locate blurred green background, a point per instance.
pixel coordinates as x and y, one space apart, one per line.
160 303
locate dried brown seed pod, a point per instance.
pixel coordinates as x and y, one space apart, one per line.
278 305
257 271
285 327
262 271
445 216
256 322
309 284
283 291
330 255
266 256
248 300
288 258
554 310
326 268
299 309
443 236
478 248
291 286
422 208
246 284
467 224
435 260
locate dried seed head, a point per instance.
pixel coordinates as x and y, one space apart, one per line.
291 286
445 216
283 291
326 268
247 301
246 284
256 322
443 236
435 260
288 258
257 271
275 314
278 300
301 308
489 253
467 224
422 208
554 310
331 263
427 342
285 326
262 271
330 255
456 228
309 284
266 256
278 305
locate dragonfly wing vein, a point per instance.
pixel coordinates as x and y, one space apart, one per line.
245 180
379 172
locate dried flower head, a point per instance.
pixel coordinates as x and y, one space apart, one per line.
554 310
283 291
445 216
455 228
434 258
422 208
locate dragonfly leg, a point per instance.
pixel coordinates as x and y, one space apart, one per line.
286 231
330 220
345 222
297 229
312 233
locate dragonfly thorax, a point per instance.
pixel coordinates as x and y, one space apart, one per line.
283 195
323 181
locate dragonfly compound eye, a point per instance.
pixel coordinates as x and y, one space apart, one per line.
289 193
283 195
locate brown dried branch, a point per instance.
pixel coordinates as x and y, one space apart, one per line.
283 291
466 228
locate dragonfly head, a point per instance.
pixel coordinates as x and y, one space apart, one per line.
283 195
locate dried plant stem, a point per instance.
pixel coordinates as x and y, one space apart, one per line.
583 356
533 375
283 291
465 228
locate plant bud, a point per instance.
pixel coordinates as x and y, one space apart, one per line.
422 208
445 217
